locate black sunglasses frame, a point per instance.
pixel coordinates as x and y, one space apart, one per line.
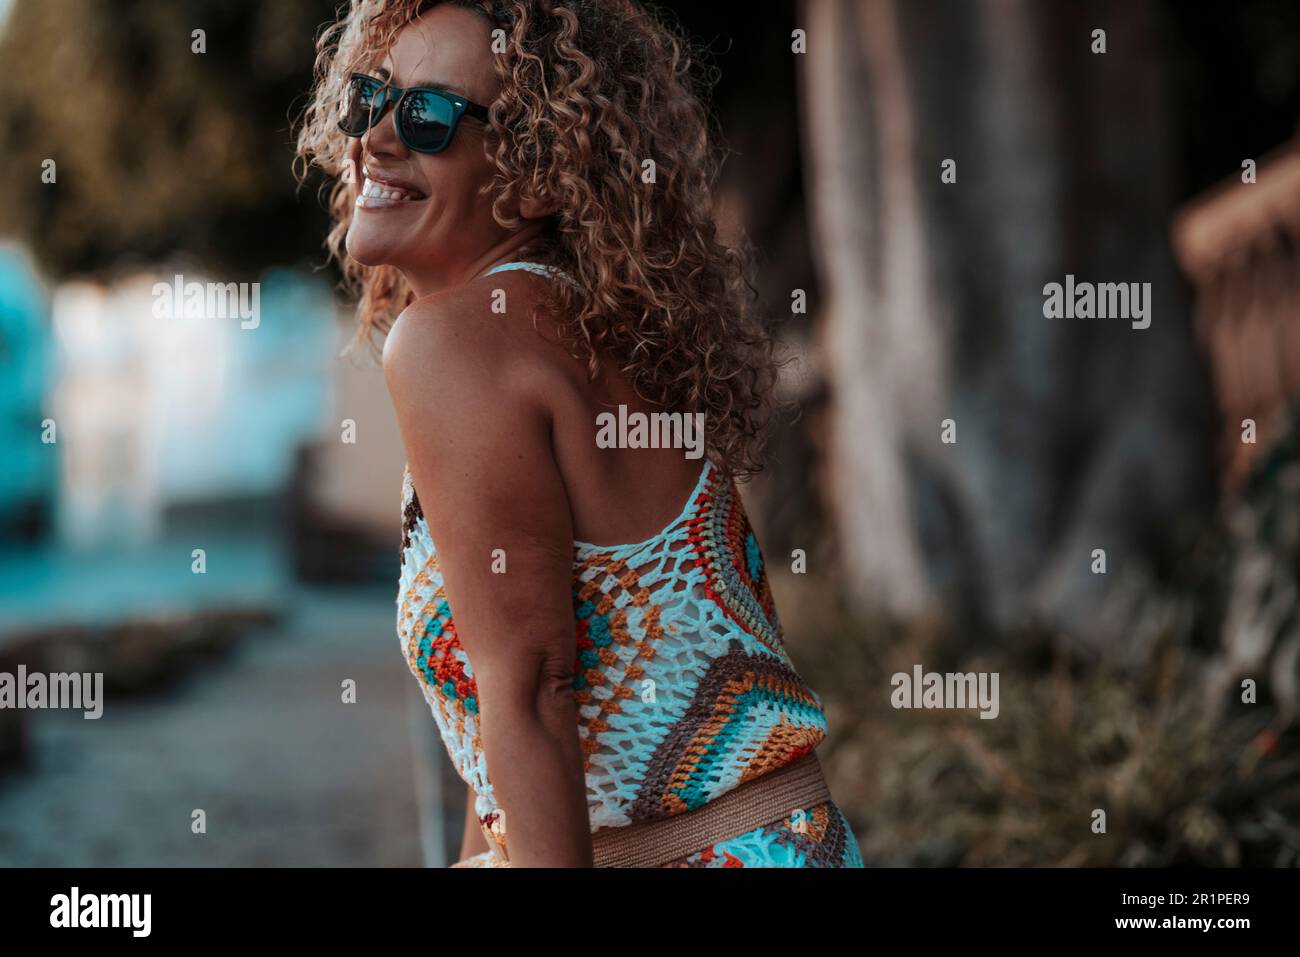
387 95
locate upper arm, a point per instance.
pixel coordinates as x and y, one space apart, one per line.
477 435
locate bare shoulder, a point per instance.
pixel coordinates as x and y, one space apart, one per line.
471 388
472 345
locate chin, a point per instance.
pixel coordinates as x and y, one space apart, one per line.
366 250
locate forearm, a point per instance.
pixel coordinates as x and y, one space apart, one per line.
536 771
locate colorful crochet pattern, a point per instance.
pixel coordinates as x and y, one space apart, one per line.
684 687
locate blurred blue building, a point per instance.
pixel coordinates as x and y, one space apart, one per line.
29 473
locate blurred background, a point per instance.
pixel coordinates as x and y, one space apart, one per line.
1163 691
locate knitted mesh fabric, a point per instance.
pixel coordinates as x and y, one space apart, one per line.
683 685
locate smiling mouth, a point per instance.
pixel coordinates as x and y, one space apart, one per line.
377 195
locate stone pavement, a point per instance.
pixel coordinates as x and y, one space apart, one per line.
260 740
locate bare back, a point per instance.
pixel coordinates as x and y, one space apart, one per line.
617 495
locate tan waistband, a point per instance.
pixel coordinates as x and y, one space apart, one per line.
772 797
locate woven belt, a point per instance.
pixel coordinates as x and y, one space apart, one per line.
772 797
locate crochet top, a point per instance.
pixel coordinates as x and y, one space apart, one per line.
683 686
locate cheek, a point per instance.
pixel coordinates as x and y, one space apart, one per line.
459 174
446 175
455 202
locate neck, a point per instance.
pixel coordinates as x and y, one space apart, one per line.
438 277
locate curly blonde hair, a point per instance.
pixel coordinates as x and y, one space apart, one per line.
590 90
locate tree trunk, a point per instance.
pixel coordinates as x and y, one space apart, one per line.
1070 434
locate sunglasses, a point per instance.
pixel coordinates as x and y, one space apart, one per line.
425 117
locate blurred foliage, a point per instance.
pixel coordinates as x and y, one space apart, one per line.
158 149
1187 773
1182 782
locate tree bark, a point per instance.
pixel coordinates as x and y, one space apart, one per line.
1071 434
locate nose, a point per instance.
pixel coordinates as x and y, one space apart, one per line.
382 139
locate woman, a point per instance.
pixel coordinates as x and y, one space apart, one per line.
523 204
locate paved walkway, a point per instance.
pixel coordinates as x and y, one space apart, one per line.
287 773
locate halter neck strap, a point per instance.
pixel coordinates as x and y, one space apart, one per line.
538 269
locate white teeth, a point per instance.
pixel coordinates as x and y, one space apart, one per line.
391 194
375 194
